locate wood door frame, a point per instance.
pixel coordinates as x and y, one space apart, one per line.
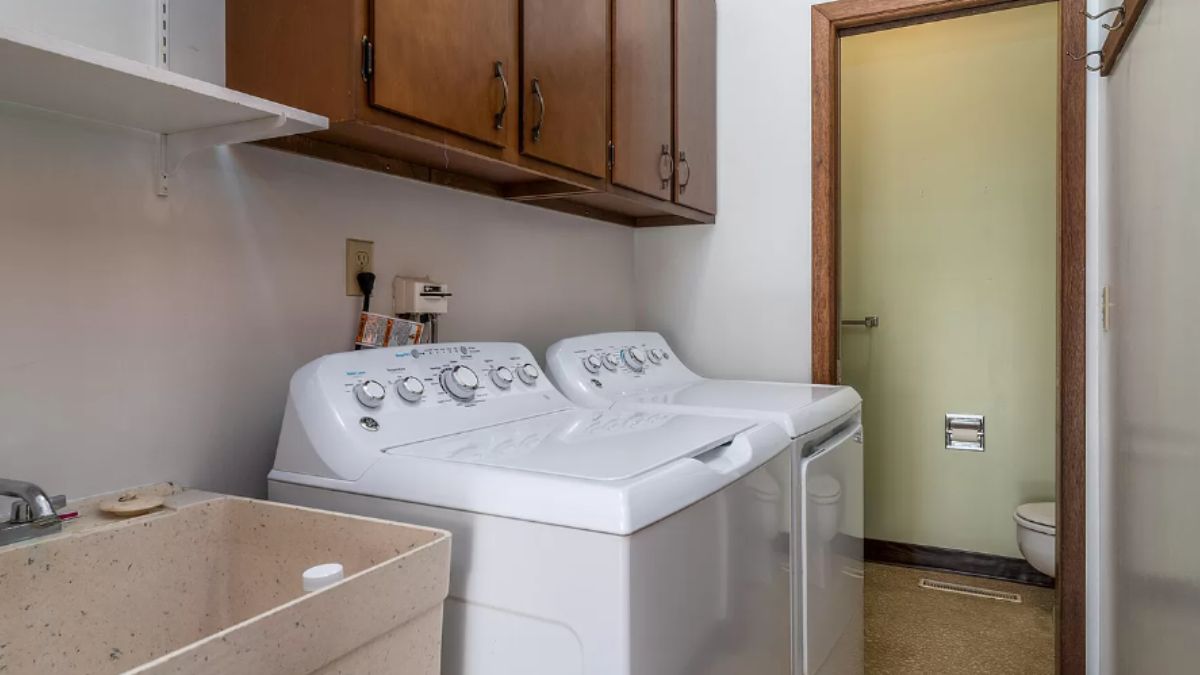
829 21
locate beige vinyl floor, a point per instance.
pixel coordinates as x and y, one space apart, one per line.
914 631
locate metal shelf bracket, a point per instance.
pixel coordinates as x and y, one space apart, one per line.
173 148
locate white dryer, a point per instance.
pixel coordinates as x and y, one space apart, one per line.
585 542
631 371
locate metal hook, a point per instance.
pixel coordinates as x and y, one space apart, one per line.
1119 11
1085 57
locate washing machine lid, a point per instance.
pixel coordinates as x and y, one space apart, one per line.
606 471
796 408
585 445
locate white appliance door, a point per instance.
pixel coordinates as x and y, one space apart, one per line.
709 586
831 517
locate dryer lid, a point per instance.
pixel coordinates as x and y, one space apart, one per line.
797 408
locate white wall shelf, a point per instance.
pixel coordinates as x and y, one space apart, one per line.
188 114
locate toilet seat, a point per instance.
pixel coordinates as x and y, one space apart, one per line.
1039 517
824 489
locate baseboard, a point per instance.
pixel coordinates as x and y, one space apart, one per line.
959 562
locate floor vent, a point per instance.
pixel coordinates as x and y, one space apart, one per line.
973 591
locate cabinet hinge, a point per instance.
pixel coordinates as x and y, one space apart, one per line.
612 155
368 59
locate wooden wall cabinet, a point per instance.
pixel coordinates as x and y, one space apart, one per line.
564 65
601 108
664 113
446 62
696 104
642 99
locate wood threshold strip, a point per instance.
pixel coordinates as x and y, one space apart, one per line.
1114 45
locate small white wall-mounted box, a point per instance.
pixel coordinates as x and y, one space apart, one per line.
419 296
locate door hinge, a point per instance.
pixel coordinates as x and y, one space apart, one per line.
612 155
368 59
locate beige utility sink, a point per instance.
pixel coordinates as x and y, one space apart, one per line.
212 584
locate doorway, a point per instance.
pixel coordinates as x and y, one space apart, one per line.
836 23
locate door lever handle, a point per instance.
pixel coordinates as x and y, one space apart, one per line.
869 322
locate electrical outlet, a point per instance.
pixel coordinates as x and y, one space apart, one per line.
360 257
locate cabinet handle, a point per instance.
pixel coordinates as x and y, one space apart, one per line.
666 166
540 101
499 117
685 172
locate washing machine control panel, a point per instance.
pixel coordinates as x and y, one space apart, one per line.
397 396
601 368
435 375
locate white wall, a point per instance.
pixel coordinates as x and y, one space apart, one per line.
1100 638
130 28
146 339
123 27
196 44
1153 192
746 280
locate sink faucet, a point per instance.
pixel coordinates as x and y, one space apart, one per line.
33 514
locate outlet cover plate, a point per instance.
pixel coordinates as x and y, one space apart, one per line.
360 257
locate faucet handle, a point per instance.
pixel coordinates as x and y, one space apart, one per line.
22 513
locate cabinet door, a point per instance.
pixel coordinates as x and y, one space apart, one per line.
449 63
696 104
565 69
642 96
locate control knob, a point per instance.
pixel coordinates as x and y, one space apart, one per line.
635 358
370 393
591 363
528 373
656 356
460 382
611 362
410 389
502 377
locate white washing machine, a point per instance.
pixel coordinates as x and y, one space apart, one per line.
639 371
585 542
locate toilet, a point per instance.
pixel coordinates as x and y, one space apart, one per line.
1035 535
825 498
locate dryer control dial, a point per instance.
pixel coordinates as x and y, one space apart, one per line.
591 363
460 382
370 393
656 356
528 373
502 377
410 389
611 362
